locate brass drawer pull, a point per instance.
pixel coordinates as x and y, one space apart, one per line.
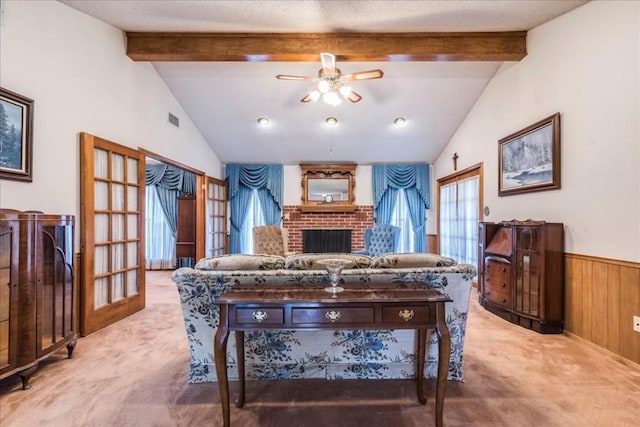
406 315
259 316
332 315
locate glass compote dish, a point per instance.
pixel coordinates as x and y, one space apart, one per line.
334 267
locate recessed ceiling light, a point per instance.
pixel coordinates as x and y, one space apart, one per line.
400 121
331 121
263 121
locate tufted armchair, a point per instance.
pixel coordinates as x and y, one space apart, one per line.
270 240
380 239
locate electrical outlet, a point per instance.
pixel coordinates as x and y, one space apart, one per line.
636 323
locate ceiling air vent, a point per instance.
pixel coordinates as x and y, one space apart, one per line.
174 120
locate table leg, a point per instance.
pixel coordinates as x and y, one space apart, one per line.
240 362
220 355
422 344
444 355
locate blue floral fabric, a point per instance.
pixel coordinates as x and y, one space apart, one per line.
331 354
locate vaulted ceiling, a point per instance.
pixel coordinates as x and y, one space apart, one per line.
220 59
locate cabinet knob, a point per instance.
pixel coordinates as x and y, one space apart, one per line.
406 315
504 270
259 316
504 300
504 285
332 315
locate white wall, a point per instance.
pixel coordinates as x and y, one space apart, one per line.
75 69
585 65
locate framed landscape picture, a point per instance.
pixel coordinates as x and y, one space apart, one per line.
16 137
529 160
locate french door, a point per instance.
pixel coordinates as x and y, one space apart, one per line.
459 211
112 232
216 217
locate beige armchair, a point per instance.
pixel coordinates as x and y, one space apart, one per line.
271 240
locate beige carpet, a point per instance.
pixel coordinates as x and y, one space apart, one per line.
133 373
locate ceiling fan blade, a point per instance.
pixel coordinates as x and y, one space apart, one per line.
300 78
362 75
328 63
354 97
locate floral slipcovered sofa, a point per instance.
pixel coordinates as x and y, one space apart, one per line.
323 353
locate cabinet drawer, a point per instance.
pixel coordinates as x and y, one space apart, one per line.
261 316
337 315
407 315
498 296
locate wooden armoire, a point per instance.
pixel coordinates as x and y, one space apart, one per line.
36 289
521 272
186 231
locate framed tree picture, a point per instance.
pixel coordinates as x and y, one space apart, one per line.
529 160
16 136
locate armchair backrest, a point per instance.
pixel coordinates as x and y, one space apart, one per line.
270 240
381 239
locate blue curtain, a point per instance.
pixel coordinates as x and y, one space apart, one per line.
241 179
414 179
169 181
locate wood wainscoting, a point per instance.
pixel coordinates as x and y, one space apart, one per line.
601 297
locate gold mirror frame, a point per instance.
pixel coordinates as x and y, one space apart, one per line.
339 171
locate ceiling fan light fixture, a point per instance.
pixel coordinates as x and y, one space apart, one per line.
315 95
331 98
324 86
345 91
331 121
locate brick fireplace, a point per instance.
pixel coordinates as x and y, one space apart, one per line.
296 221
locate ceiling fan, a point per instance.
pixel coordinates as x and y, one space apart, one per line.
331 82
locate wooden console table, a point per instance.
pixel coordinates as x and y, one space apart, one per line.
360 306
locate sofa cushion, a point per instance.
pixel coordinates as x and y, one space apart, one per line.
411 260
241 262
310 261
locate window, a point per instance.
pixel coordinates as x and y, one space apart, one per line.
400 217
459 213
254 218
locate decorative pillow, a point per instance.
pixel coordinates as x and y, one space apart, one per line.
310 261
411 260
241 262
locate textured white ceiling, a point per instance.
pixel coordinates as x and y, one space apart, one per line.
224 99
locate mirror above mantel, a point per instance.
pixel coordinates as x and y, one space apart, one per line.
328 187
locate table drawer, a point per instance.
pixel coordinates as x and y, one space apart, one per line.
337 315
408 314
259 316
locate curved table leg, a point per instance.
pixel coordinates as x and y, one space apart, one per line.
444 356
220 355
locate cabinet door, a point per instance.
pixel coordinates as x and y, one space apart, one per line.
527 293
54 263
9 238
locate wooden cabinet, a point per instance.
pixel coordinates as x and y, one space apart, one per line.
186 232
36 289
521 274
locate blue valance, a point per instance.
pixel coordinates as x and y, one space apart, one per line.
401 176
269 177
170 178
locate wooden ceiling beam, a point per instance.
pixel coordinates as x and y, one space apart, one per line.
305 47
